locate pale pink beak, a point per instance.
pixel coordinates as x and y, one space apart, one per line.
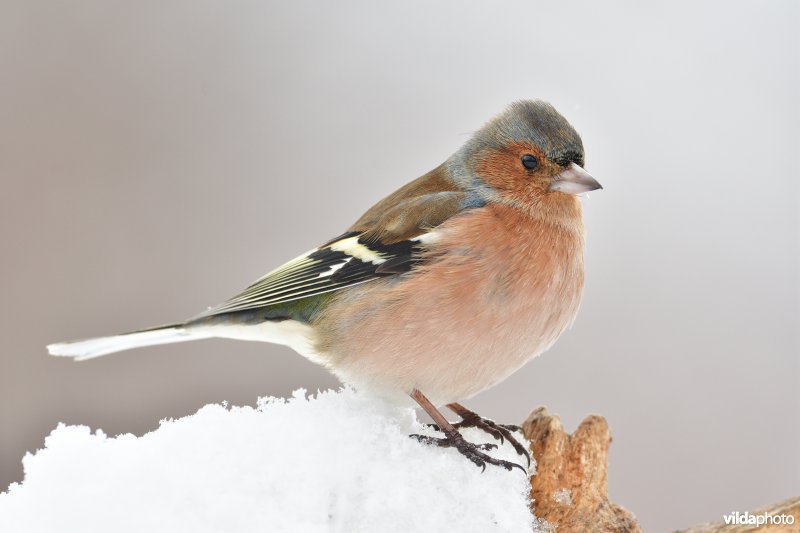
574 180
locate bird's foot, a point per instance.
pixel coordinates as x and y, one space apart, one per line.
501 432
473 452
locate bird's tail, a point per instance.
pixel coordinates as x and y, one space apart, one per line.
89 348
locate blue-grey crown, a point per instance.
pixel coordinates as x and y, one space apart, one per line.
533 121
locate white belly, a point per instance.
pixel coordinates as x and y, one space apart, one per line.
296 335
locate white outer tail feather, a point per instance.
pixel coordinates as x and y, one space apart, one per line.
298 336
90 348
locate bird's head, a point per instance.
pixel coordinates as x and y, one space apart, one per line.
524 156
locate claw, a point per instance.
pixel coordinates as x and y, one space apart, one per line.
472 420
470 451
501 432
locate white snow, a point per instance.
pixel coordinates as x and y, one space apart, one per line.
337 462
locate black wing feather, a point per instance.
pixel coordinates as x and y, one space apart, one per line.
343 262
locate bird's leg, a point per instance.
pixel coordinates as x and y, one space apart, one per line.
471 419
452 438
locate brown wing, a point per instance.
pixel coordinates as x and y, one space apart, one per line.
386 241
435 181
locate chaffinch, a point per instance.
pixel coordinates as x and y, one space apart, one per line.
446 286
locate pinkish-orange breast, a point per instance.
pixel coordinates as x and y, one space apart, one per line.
498 289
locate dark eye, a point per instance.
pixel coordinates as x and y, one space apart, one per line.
530 162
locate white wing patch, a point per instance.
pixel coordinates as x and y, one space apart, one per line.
429 237
353 248
334 268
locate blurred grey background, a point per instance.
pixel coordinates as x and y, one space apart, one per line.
155 157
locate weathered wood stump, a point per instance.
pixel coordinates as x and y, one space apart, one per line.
570 488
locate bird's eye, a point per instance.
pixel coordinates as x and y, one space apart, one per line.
530 162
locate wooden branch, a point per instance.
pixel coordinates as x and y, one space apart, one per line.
570 488
790 507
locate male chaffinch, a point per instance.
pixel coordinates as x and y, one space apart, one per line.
446 286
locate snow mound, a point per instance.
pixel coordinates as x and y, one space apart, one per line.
336 462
